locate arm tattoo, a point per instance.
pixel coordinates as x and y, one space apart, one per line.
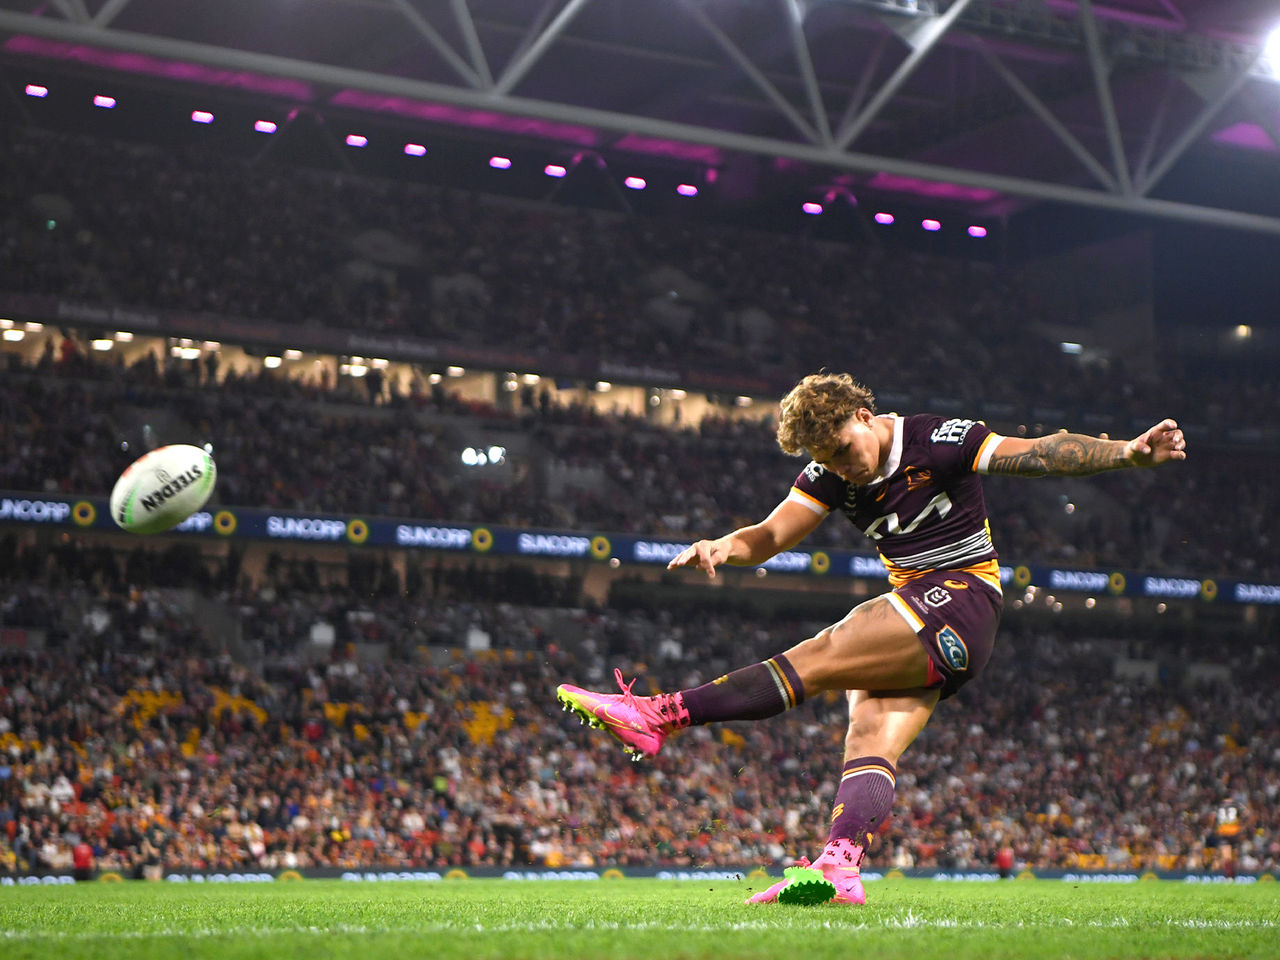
1063 455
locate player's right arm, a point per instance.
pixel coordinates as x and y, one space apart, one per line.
787 525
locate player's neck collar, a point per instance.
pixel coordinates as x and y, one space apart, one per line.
894 460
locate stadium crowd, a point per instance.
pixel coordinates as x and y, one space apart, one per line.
134 734
139 226
73 420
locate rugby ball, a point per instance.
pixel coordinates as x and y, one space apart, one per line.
162 488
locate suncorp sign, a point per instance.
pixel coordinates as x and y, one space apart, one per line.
34 511
438 538
305 528
1081 580
552 545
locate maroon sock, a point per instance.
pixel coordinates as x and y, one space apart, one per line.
864 799
752 693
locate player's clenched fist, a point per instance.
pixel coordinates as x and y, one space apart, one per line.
705 554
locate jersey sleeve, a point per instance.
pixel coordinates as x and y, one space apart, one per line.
962 446
818 489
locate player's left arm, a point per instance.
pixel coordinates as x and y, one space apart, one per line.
1076 455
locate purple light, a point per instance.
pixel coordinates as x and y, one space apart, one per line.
157 67
687 190
106 103
500 163
554 170
35 90
931 225
976 231
813 209
458 116
884 218
415 150
357 140
265 126
634 183
201 116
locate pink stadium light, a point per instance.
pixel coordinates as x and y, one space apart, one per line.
884 218
813 209
634 183
357 140
554 170
201 116
415 150
976 231
932 226
687 190
106 103
36 90
265 126
500 163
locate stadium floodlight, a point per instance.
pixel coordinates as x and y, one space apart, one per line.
103 343
687 190
1272 49
603 386
977 231
271 362
105 102
455 371
265 126
500 163
124 336
933 226
811 208
36 90
14 335
415 150
201 116
635 183
884 219
357 140
554 170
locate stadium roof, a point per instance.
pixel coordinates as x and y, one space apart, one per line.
988 104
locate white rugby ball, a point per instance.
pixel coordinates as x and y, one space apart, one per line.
162 488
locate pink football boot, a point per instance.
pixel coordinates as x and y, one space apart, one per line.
841 863
641 724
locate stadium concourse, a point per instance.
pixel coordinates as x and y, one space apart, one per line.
134 724
132 733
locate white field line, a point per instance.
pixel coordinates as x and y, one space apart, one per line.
906 921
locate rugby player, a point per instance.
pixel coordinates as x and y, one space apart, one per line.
912 484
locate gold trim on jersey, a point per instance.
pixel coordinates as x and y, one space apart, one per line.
987 571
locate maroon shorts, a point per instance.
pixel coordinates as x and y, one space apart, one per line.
955 616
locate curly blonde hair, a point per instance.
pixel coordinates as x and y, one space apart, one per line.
816 409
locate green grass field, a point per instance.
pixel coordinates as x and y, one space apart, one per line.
651 919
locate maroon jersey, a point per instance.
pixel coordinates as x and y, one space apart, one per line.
925 509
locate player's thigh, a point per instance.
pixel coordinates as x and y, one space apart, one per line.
884 724
873 648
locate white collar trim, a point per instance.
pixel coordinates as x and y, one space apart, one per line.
894 459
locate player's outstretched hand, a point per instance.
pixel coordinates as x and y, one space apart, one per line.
1160 444
705 554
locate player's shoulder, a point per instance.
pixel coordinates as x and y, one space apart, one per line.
937 430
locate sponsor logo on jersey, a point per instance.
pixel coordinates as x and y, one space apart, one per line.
937 596
951 431
952 648
813 471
